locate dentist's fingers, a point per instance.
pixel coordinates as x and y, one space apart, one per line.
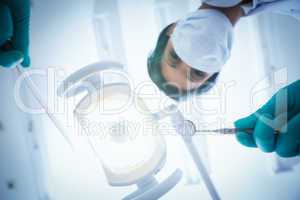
244 138
10 59
264 133
286 100
20 11
288 142
6 30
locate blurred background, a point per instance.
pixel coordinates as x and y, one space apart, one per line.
37 163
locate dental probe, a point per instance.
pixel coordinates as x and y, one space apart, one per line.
21 73
223 131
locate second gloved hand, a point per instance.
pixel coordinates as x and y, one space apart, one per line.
14 29
282 113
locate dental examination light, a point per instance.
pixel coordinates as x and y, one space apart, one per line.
120 129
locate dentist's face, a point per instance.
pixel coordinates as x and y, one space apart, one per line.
178 73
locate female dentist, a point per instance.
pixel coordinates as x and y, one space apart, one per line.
191 52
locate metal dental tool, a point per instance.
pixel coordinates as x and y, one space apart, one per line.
22 73
223 131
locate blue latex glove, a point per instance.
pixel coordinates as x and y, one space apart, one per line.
281 112
14 27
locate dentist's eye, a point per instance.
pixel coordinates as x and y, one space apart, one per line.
196 75
199 73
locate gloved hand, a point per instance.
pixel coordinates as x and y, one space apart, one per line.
281 112
14 27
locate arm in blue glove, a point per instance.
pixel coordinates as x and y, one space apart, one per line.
14 27
281 112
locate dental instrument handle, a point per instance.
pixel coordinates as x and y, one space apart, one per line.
228 131
186 129
202 169
38 98
223 131
35 92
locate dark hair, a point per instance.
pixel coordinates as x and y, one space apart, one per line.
154 71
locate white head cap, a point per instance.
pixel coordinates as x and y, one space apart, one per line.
203 40
222 3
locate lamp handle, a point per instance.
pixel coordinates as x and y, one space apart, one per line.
69 87
156 190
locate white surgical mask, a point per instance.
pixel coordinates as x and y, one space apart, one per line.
203 40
